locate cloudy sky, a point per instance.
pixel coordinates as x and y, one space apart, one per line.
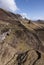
32 9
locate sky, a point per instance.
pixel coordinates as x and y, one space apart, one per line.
31 9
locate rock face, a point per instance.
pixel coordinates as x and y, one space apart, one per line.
21 43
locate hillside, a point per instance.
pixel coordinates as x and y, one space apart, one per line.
21 40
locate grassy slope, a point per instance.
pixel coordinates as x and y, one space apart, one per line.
19 41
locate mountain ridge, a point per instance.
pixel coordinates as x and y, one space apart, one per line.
21 40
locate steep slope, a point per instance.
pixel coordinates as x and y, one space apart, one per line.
20 44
